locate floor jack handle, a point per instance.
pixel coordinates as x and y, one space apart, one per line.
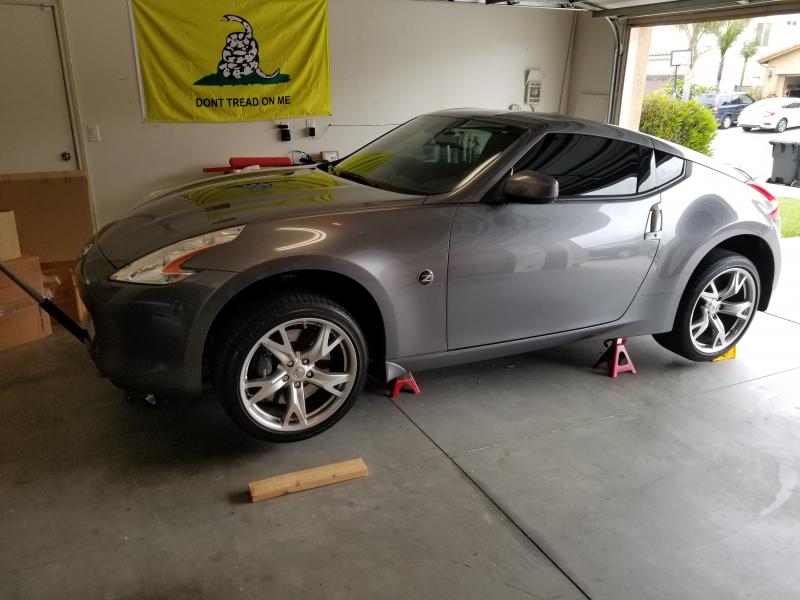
47 306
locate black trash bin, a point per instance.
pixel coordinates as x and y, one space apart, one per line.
785 163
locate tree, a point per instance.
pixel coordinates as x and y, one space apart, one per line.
694 32
748 51
726 33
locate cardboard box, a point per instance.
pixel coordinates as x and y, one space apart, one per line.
53 212
9 240
26 324
26 268
21 320
62 288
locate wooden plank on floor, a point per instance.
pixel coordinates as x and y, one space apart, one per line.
298 481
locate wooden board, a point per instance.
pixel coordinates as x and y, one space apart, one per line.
288 483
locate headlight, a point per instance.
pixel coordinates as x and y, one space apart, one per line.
164 266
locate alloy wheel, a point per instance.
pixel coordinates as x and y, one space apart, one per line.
726 122
781 126
298 374
723 310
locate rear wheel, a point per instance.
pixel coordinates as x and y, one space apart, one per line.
716 309
781 127
726 122
291 368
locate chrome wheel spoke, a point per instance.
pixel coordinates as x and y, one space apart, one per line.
720 334
268 386
295 405
710 293
699 327
282 350
734 286
322 346
740 310
329 381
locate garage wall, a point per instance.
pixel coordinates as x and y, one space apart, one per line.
390 60
592 63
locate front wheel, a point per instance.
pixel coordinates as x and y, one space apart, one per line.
291 368
716 309
781 126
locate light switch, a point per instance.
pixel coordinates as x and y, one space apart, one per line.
94 133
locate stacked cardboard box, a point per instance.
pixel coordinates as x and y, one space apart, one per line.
9 240
62 288
21 320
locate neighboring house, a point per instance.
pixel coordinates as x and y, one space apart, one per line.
782 72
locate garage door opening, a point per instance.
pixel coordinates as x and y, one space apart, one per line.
746 72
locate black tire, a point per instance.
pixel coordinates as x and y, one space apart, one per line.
726 122
246 330
679 339
781 127
746 128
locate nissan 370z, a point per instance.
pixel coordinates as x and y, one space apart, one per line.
458 236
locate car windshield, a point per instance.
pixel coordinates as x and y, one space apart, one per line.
428 155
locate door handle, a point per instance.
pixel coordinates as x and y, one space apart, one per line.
654 223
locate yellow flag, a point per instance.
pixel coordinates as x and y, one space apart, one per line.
233 60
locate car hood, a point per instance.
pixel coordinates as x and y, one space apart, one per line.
212 204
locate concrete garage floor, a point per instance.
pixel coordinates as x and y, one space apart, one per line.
527 477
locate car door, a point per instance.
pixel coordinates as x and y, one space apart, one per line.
519 270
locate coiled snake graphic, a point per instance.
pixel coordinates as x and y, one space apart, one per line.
240 54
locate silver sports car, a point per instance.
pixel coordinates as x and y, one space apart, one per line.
459 236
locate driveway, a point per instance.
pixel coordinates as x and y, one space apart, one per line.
751 150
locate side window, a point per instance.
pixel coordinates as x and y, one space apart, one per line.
726 100
668 167
585 165
745 99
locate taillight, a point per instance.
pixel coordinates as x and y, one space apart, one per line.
714 108
773 208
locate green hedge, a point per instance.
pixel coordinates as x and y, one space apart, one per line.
687 123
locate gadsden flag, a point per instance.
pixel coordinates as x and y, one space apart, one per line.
232 60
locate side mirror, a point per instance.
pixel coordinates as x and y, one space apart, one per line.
531 187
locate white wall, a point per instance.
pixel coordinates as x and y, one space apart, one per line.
390 60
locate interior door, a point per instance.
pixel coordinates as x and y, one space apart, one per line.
34 116
523 270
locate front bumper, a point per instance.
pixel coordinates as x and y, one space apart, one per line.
149 338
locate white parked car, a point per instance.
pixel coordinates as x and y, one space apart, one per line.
771 113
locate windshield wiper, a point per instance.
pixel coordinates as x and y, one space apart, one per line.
353 177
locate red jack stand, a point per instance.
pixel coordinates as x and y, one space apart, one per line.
616 357
406 381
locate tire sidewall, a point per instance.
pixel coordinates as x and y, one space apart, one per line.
690 298
727 121
243 340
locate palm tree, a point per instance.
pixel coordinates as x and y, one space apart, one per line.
694 32
726 33
748 51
